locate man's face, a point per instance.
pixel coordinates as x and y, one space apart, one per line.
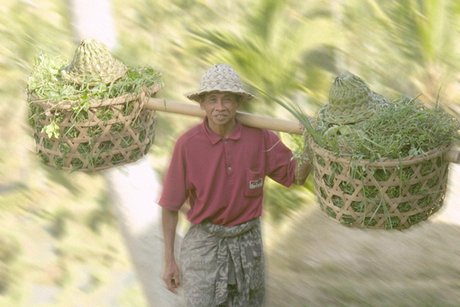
220 107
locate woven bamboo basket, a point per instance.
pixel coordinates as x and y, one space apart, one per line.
349 192
113 132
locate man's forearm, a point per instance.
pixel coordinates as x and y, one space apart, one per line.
171 274
169 220
301 173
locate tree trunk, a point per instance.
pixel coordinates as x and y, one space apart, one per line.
134 188
92 19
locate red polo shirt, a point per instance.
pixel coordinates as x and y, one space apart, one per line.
223 178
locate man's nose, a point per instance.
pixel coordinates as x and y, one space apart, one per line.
220 103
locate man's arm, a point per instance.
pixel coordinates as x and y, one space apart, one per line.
301 173
171 273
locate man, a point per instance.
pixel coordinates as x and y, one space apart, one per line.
220 167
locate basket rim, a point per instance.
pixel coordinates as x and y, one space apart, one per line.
384 161
68 104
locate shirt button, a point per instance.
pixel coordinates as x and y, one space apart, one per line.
225 142
230 168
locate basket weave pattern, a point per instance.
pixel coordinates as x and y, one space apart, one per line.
343 198
113 132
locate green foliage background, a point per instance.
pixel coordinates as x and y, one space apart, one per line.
290 49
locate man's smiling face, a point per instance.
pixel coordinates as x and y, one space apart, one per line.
220 108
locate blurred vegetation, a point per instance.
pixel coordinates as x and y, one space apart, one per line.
9 251
290 49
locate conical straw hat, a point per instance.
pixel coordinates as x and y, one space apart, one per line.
92 64
222 78
350 101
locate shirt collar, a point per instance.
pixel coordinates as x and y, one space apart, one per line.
214 138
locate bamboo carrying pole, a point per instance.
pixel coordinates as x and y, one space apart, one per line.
247 119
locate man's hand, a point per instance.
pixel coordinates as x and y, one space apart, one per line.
171 276
302 171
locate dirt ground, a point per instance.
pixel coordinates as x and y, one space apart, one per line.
312 262
318 262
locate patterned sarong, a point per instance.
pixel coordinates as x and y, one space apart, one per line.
214 257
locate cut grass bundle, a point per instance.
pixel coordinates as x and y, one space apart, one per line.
90 127
403 128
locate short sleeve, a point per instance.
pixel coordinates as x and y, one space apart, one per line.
174 192
280 162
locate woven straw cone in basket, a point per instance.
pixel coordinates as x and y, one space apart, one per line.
92 64
343 199
111 132
350 101
221 78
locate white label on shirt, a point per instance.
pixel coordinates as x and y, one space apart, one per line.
254 184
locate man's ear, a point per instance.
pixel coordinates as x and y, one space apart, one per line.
200 101
240 102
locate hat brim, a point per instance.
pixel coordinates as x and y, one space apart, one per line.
344 118
196 96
